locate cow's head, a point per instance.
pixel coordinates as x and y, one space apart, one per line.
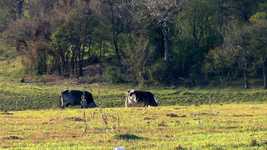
131 97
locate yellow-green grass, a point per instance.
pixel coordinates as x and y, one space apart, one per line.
231 126
21 96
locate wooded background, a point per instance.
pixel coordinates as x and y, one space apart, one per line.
170 42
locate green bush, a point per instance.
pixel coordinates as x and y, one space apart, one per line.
114 74
163 73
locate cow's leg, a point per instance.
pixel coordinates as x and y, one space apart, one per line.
126 103
61 102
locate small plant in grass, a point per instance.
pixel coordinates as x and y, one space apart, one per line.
105 120
179 147
253 142
85 123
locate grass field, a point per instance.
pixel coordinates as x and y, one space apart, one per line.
22 96
197 118
231 126
19 96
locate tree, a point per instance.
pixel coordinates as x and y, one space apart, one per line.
259 41
196 33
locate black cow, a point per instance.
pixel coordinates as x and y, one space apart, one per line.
136 98
75 97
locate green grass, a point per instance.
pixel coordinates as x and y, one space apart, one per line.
30 119
231 126
22 96
19 96
6 51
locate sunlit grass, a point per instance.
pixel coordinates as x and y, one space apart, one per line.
232 126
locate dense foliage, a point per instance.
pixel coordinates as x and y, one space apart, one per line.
191 42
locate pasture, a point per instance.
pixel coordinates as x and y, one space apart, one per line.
45 95
197 118
230 126
19 96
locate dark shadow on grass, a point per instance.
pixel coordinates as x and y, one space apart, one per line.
76 119
6 113
128 137
12 138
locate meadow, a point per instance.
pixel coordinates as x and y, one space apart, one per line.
214 127
188 118
21 96
15 95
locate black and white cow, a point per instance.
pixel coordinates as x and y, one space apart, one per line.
137 98
75 97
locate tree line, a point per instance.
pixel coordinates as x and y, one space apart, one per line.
193 42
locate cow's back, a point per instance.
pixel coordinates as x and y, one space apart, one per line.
74 97
71 97
146 97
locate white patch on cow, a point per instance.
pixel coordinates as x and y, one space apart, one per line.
131 91
133 99
129 97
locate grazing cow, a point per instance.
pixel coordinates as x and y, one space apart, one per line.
136 98
75 97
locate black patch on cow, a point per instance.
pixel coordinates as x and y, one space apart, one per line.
143 98
75 97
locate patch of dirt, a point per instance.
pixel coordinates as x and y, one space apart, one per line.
12 137
253 143
205 114
148 118
242 115
178 108
52 121
7 113
48 79
5 147
179 147
174 115
162 124
76 119
231 127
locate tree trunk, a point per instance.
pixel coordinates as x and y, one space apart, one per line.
166 47
165 32
245 78
73 63
81 51
264 69
115 43
114 34
20 7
